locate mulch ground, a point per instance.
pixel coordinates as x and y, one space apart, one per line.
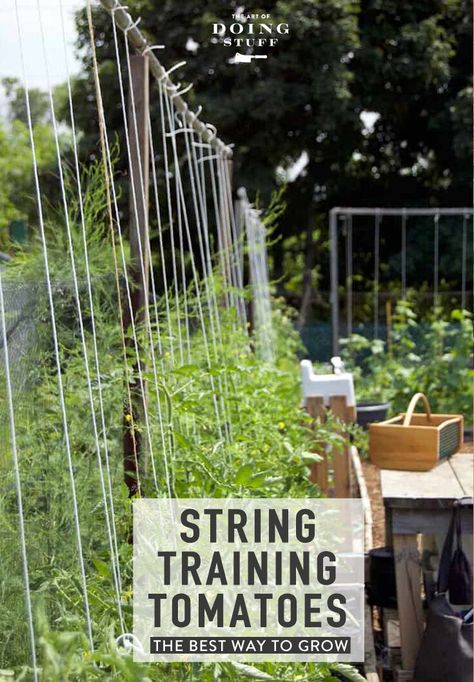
372 480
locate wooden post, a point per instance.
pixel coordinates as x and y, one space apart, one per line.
342 459
138 108
139 176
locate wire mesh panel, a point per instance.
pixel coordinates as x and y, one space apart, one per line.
382 255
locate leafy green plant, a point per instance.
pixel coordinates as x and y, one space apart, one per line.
434 357
256 443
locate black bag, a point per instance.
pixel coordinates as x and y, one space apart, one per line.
446 647
455 574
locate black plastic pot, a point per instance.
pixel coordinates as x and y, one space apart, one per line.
371 411
381 588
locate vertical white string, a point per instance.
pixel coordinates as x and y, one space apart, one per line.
18 486
170 220
221 245
204 243
179 222
62 402
226 234
111 524
223 262
182 264
149 255
349 274
200 174
376 275
140 365
256 242
436 259
193 267
112 207
160 237
202 227
234 238
463 262
165 283
404 254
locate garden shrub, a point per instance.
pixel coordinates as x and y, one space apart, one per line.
433 356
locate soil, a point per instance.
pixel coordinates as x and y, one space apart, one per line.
372 481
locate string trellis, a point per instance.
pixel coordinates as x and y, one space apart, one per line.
259 277
128 364
416 226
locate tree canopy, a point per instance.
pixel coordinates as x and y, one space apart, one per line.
370 97
407 62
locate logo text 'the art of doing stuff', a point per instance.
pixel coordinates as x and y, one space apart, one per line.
251 35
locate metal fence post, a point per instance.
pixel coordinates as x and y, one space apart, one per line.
334 281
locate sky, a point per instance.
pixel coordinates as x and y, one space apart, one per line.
50 11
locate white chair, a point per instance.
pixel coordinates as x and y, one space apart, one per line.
326 386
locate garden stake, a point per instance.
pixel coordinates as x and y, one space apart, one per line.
139 166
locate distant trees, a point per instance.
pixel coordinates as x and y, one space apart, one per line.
373 96
17 196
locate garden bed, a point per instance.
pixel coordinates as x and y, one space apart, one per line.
372 480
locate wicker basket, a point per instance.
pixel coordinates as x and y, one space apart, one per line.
415 442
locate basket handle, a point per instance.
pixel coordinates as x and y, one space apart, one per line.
412 405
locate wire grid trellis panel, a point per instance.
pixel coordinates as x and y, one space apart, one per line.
425 253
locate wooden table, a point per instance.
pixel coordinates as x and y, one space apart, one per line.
420 503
